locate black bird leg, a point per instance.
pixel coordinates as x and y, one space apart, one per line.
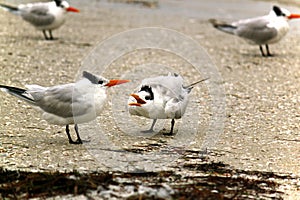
172 127
68 134
78 141
50 33
262 51
268 51
45 35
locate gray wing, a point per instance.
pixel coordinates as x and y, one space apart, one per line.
255 29
169 85
37 15
64 100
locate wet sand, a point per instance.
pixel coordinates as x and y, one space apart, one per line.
262 94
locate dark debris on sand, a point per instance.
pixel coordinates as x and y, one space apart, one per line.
217 181
145 3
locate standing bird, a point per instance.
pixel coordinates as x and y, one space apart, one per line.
162 97
263 30
71 103
44 16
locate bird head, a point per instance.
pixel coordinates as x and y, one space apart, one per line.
101 81
65 5
282 12
143 97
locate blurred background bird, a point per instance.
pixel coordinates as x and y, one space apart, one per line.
67 104
44 16
263 30
161 97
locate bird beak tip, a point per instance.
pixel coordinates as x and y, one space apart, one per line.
294 16
134 104
139 101
116 82
72 9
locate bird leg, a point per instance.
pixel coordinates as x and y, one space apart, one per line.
51 37
151 128
262 51
45 35
172 127
268 51
78 141
68 134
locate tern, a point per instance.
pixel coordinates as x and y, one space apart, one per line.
263 30
44 16
67 104
161 97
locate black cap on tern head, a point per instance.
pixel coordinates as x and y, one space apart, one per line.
278 11
58 2
147 89
91 77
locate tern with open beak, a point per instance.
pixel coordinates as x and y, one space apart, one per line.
162 97
44 16
262 30
67 104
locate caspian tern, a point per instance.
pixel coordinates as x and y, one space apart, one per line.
44 16
67 104
162 97
262 30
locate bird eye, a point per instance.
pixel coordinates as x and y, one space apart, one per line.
100 82
147 97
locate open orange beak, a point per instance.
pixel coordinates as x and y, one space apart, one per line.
294 16
72 9
138 102
116 82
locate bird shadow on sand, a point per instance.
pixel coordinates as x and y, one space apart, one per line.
33 37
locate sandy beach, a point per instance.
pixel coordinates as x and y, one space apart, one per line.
262 124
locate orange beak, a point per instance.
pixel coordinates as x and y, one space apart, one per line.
72 9
116 82
135 104
138 102
294 16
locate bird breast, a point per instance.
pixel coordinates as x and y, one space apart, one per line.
282 27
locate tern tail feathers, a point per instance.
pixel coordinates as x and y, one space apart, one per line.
12 9
17 92
191 86
223 26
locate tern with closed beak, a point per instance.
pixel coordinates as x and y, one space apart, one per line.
44 16
162 97
67 104
263 30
